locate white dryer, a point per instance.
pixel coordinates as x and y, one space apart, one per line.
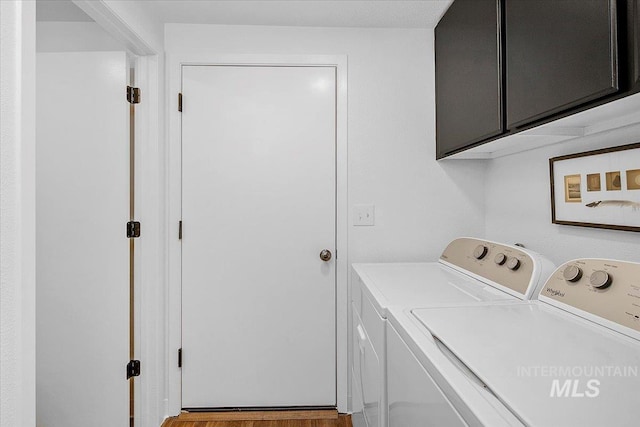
469 271
570 359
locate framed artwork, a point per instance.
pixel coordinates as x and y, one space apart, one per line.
598 188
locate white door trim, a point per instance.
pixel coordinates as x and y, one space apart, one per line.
17 217
150 252
174 195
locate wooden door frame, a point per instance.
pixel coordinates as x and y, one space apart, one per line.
173 190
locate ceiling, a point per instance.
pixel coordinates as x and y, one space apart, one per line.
306 13
59 10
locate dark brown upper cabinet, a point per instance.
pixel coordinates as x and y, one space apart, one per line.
559 54
635 25
505 66
468 75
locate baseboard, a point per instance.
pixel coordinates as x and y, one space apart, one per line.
263 415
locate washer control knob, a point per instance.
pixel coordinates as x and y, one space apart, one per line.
513 263
500 258
480 251
572 273
600 279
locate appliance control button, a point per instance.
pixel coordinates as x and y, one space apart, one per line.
480 251
572 273
600 279
500 258
513 263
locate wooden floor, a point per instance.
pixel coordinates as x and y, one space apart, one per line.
259 419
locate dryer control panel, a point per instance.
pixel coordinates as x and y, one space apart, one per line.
512 268
607 289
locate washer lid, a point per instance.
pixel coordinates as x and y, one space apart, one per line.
550 368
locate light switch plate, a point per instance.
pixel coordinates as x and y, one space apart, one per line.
363 215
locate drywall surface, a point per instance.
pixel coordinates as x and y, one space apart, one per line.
73 37
420 204
17 213
519 204
138 20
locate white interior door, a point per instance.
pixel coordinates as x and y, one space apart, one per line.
82 293
258 207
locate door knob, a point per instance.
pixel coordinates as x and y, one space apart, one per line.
325 255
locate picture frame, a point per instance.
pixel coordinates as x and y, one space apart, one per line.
597 189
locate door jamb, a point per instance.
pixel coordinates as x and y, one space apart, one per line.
173 191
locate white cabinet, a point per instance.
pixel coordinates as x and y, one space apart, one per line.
414 398
368 361
367 373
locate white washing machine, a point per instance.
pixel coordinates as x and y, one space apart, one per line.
570 359
469 271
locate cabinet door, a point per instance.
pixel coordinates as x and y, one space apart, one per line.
559 54
468 75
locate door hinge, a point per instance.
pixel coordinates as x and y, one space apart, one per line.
133 95
179 358
180 230
133 369
180 102
133 229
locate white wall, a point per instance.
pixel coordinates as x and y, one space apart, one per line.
145 28
17 213
74 37
519 205
420 204
129 22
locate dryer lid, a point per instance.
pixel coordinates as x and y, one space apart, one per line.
422 284
547 366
